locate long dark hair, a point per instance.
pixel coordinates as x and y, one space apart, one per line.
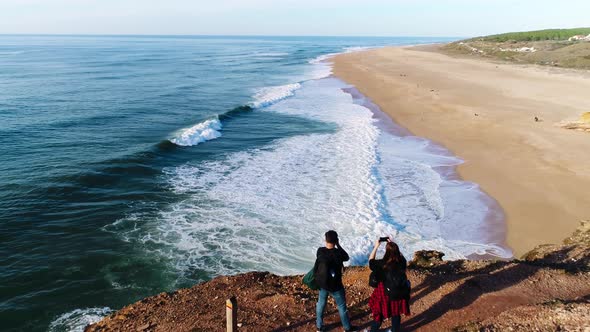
393 257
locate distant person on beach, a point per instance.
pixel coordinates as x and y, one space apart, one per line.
391 296
328 275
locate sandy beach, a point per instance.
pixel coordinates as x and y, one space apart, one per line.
484 112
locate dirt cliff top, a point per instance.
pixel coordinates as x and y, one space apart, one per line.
549 290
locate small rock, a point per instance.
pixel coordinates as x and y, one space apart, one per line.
426 258
143 327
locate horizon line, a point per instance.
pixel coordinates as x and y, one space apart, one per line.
218 35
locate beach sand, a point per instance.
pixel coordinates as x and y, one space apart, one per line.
484 112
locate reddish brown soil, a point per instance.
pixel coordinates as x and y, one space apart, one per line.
550 291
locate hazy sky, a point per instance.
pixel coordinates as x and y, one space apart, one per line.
290 17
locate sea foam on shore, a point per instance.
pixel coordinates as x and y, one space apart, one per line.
266 209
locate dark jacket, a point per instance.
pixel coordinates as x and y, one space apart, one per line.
328 268
399 269
376 265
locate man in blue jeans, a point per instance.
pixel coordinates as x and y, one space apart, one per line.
328 275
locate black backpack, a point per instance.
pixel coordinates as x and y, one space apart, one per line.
327 273
396 284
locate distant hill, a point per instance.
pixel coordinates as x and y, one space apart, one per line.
550 47
538 35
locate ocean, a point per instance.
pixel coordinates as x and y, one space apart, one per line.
133 165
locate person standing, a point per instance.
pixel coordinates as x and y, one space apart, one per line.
328 275
391 297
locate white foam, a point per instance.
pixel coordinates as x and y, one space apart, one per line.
199 133
357 49
267 209
322 58
77 320
322 67
425 203
269 95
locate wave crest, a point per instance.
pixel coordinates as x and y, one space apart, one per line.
199 133
270 95
77 320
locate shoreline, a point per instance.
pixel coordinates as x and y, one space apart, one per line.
494 220
483 113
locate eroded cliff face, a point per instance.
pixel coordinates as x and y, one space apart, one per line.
572 255
548 290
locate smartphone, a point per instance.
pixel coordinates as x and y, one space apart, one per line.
384 239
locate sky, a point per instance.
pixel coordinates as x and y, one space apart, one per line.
457 18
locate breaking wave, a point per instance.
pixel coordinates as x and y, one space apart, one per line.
264 97
267 208
199 133
211 129
270 95
77 320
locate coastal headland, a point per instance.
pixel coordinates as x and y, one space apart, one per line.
547 291
505 120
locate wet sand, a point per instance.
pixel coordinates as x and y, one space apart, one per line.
484 112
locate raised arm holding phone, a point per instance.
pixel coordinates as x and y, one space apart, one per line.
391 296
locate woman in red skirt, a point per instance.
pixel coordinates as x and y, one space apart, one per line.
391 297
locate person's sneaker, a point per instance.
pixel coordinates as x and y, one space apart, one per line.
321 329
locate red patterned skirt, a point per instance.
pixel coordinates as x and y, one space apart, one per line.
383 308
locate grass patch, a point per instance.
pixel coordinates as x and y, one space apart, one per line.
549 34
543 47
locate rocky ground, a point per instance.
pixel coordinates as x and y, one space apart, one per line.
548 290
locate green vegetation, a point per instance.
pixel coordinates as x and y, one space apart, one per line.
543 47
549 34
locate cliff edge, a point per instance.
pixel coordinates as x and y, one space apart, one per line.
547 290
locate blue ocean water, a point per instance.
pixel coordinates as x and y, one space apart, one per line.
133 165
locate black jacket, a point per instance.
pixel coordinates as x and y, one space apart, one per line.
376 265
399 270
328 268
